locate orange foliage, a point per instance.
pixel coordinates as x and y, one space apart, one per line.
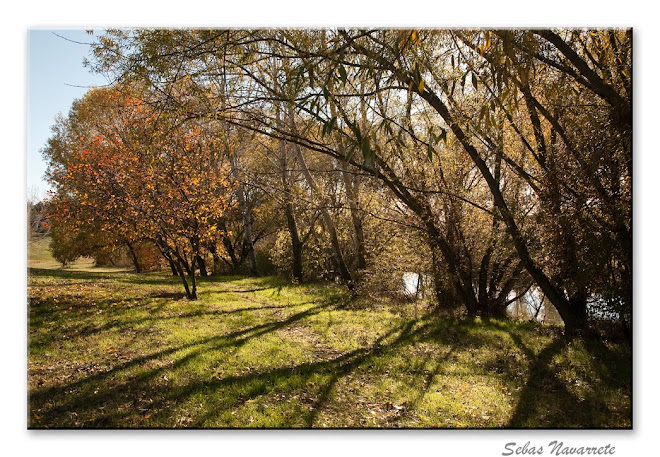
137 174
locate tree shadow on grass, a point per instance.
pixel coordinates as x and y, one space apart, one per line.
309 387
547 401
82 277
168 295
544 400
71 274
74 313
89 330
84 394
137 393
306 386
300 391
549 398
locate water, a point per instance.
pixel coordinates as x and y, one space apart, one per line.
530 306
411 283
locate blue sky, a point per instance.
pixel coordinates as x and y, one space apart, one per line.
54 65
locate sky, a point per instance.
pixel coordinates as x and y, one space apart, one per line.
54 66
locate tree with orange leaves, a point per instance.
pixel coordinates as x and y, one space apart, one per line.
124 172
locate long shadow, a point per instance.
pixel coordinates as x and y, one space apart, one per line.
239 291
406 337
260 383
343 365
74 274
82 400
332 368
130 324
268 282
543 392
125 277
44 308
71 282
233 339
613 366
77 308
545 400
426 382
255 384
155 278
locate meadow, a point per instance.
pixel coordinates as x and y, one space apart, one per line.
114 349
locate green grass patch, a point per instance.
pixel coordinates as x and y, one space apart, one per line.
118 349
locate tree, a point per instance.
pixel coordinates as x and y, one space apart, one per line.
511 149
136 174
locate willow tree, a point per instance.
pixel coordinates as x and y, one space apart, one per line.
543 119
518 75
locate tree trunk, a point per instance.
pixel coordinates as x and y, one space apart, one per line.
296 244
442 297
134 257
352 196
247 221
226 242
193 280
566 309
483 296
554 293
289 210
240 191
175 272
296 252
162 247
325 214
463 293
183 279
202 266
216 264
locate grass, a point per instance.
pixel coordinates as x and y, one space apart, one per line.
39 256
117 349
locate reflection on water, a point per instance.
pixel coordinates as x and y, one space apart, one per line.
533 306
530 306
